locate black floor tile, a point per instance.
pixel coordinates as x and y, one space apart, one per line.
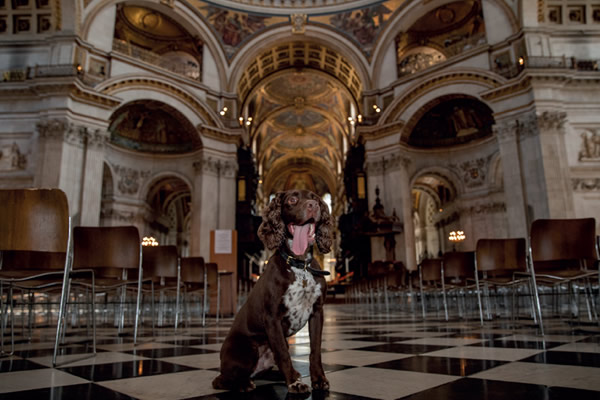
131 369
591 339
388 339
278 391
7 365
62 351
439 365
303 367
86 391
485 336
189 342
169 352
481 389
518 344
403 348
566 358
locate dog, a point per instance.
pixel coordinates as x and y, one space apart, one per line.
289 293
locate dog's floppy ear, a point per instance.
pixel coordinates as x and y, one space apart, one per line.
323 236
272 229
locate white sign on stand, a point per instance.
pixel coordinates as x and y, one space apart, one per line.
223 241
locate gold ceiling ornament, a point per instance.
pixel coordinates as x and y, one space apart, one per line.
298 23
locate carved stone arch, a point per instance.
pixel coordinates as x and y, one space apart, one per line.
479 79
134 84
185 15
153 179
441 101
442 174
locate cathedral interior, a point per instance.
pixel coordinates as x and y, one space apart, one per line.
425 126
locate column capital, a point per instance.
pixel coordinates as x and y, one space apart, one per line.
215 166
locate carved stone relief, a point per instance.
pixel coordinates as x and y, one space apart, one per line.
71 133
129 179
389 163
586 184
473 172
11 158
590 146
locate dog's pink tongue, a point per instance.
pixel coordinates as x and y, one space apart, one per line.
300 242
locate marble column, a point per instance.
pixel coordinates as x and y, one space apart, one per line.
515 196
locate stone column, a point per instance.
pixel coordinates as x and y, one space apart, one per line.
213 201
91 185
515 196
401 196
555 164
375 179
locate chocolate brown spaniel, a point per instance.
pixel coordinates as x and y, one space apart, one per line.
289 293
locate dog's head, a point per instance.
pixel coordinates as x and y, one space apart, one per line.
298 215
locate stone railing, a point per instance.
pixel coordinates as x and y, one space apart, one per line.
150 57
538 62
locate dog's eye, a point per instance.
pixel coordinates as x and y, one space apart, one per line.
292 200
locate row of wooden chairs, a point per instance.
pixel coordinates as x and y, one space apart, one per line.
41 252
561 254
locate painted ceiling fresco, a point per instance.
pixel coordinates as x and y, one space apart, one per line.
234 28
151 126
453 122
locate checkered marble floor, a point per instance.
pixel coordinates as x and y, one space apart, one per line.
367 354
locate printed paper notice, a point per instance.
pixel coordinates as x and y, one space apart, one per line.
223 241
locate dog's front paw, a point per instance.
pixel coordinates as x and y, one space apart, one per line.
321 384
298 387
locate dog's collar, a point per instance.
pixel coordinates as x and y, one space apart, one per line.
300 264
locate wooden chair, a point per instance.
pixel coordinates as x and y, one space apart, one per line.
109 253
194 279
161 269
35 239
214 280
458 276
430 281
502 263
562 251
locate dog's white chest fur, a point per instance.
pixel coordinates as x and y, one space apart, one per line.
300 298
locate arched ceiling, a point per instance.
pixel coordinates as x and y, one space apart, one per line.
299 129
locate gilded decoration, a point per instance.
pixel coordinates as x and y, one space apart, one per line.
234 28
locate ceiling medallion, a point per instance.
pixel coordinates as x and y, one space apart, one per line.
150 20
445 15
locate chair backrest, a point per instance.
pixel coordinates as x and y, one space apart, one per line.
459 265
501 254
431 269
192 269
109 248
212 273
34 220
160 261
555 242
34 228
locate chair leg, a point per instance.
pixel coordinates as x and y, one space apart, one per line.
137 309
61 312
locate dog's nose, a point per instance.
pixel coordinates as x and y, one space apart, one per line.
312 205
